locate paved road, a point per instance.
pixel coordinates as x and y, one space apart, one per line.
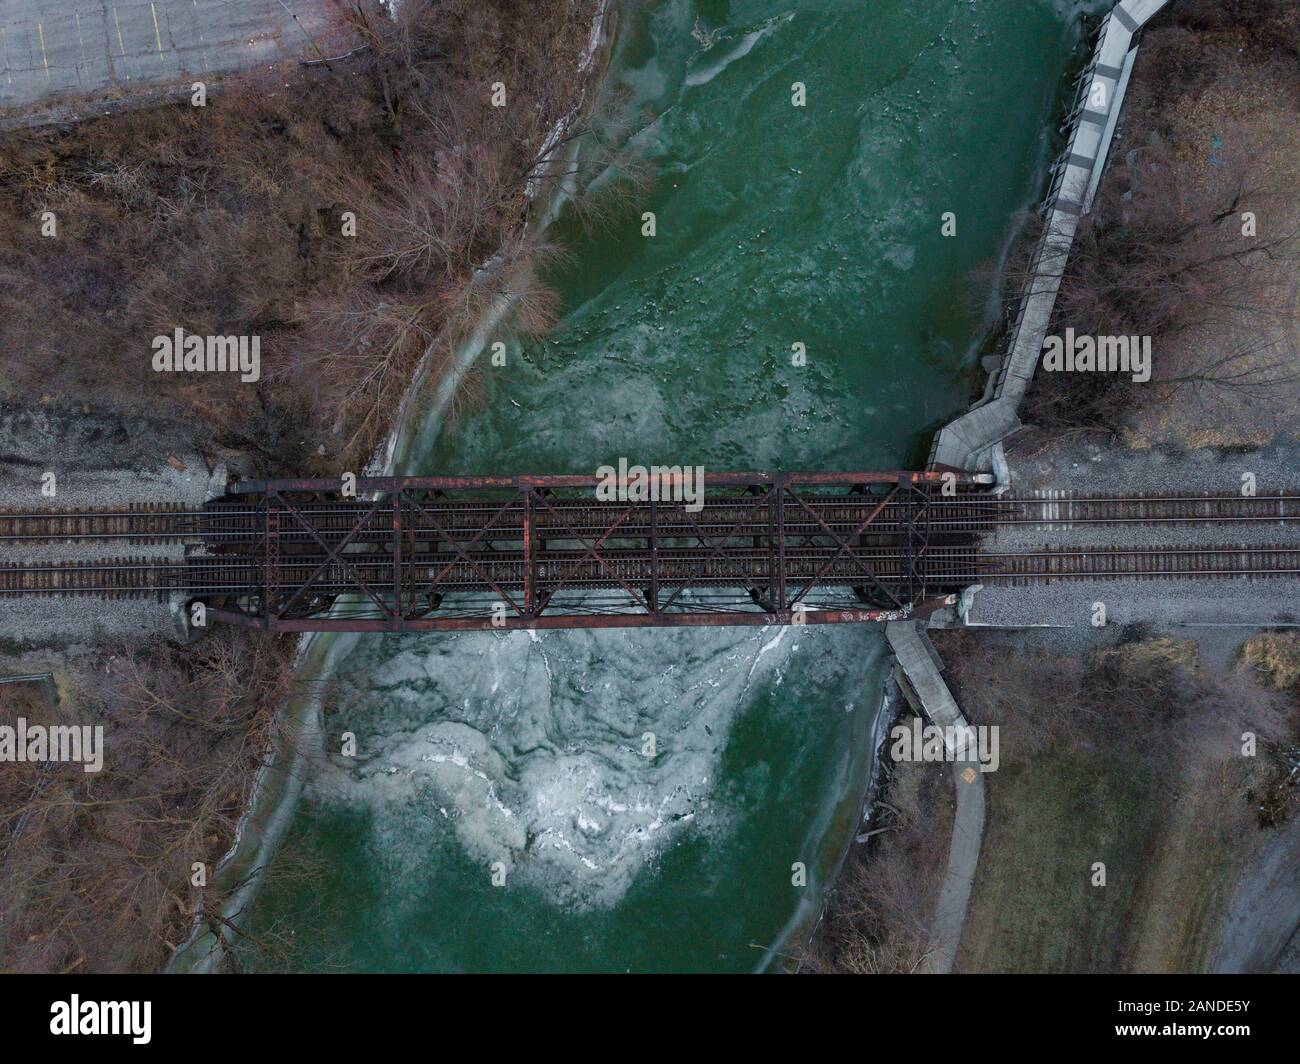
54 47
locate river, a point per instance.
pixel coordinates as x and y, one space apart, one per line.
502 813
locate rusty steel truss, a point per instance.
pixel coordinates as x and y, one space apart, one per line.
535 552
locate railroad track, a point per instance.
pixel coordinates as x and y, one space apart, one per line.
1224 561
138 523
103 578
913 546
946 569
233 526
1064 510
969 513
230 525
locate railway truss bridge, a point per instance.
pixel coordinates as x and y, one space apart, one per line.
536 552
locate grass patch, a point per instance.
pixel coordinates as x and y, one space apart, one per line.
1169 860
1134 761
1275 658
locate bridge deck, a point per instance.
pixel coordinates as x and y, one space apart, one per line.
546 552
537 552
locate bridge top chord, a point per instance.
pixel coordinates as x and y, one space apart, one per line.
682 548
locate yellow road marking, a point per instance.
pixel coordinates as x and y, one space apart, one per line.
156 35
44 58
120 43
80 39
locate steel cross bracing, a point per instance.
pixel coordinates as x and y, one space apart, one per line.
477 552
428 553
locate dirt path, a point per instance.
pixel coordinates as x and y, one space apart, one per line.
1264 914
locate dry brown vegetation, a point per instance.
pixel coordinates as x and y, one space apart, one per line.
1145 699
1190 38
229 219
1164 253
96 868
1160 257
1130 755
1273 658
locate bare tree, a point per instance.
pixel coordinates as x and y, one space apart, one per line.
99 867
1164 254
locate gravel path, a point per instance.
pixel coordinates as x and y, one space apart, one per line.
1260 931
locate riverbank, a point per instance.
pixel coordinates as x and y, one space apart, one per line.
879 910
1217 410
343 218
283 210
515 749
1217 141
433 387
104 870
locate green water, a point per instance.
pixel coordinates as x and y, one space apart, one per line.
522 753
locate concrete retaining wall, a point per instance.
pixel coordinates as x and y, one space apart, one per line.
970 441
974 440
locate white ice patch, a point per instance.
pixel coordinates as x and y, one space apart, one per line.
706 72
530 747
